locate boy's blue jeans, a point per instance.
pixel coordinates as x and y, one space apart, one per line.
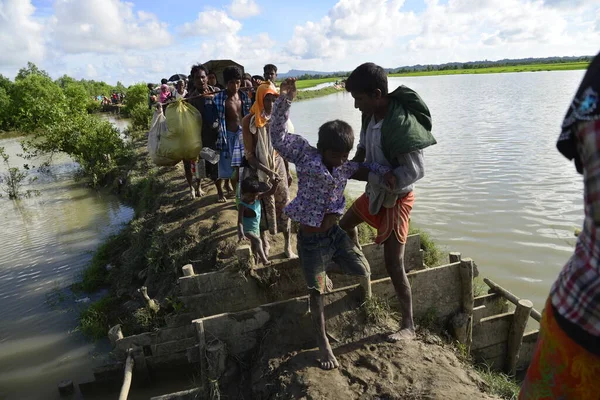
318 250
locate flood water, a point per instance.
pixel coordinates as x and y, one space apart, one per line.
495 187
47 241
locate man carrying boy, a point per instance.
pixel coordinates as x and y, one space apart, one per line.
232 105
396 127
322 176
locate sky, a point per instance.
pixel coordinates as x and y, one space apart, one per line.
144 41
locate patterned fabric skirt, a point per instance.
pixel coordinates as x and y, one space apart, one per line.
560 368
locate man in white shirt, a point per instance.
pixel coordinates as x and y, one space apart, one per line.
396 128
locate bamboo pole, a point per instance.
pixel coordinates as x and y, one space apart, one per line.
515 336
535 314
128 375
188 270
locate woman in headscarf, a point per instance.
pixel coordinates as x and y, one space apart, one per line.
165 92
265 163
566 362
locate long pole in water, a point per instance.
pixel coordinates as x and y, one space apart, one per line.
128 375
535 314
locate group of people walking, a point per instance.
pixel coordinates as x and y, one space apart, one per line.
251 130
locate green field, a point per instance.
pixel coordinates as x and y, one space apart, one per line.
308 83
312 94
498 70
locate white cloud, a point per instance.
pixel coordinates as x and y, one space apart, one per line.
353 26
456 30
212 23
241 9
21 35
91 71
105 26
114 40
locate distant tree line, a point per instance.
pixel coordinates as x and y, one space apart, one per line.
490 64
461 65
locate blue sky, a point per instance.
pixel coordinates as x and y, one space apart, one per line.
144 40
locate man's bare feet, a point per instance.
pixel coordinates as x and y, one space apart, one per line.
402 335
328 360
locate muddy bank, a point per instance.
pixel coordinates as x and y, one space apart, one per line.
170 230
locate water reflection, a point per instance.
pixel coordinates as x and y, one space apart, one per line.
47 240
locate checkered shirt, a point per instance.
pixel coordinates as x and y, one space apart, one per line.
219 101
576 293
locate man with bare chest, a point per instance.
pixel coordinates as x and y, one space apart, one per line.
232 105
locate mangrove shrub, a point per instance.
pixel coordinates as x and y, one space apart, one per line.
136 94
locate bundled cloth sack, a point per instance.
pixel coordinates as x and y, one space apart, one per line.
175 135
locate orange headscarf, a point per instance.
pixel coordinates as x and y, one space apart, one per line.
258 107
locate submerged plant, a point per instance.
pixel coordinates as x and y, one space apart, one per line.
12 181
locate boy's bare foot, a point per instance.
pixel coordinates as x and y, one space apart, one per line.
199 192
266 248
402 335
192 194
328 283
228 187
221 199
328 360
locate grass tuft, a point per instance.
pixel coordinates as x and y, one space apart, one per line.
377 310
96 275
433 254
499 384
93 321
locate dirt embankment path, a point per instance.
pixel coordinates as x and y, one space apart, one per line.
171 229
370 367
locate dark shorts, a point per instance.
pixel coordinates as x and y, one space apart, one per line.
318 250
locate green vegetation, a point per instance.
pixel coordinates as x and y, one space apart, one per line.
308 83
497 70
433 254
94 320
498 383
378 310
311 94
12 180
56 117
96 275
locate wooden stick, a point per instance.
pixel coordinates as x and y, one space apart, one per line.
466 278
201 336
535 314
127 378
188 270
515 335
